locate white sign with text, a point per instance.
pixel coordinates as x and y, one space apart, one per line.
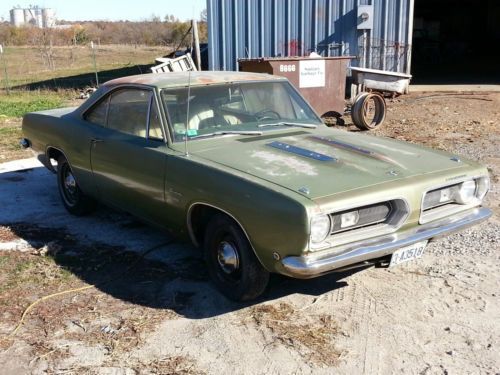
312 73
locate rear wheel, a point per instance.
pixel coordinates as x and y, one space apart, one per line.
232 264
72 197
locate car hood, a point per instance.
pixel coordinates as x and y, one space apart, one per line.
324 162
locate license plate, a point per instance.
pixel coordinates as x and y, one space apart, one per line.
408 253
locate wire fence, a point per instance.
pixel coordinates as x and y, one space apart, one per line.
383 54
72 66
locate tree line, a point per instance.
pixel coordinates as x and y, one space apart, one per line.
153 32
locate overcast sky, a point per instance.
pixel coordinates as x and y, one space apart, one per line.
112 10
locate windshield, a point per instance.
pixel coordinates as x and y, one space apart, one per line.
238 108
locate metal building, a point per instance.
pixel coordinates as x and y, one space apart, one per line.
378 32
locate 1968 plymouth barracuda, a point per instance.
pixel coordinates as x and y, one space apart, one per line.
240 164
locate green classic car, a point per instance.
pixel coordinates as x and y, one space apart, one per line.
242 166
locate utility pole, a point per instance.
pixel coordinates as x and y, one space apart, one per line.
95 65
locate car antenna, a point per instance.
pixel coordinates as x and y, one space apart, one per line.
186 152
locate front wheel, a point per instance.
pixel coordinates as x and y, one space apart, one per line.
232 264
72 197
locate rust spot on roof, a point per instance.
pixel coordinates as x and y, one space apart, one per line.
176 79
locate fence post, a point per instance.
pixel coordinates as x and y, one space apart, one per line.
95 65
5 70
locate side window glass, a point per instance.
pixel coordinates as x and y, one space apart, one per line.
97 115
128 111
155 132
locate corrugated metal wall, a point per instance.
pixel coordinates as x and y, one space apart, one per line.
258 28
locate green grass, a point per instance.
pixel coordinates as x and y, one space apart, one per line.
19 103
14 106
10 138
26 65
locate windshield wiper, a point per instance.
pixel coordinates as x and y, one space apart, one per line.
297 124
224 132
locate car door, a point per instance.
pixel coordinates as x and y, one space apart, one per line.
128 154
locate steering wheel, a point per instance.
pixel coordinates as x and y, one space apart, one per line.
267 114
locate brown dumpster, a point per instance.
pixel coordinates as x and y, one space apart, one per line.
321 80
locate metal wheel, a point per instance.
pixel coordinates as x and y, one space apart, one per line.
228 258
368 111
69 188
74 200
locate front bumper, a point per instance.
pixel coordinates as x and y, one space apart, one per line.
316 264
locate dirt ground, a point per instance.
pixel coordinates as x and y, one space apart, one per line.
158 314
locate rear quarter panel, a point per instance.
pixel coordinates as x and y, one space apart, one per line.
65 131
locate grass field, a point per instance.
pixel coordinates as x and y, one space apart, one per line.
12 109
73 67
27 65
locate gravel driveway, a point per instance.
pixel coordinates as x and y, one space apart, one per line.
160 315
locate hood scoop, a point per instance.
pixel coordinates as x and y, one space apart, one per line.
355 149
301 151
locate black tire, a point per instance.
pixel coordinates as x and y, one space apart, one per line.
359 112
72 197
245 279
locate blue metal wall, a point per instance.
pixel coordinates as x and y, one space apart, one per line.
258 28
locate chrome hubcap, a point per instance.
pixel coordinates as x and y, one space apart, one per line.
69 187
227 256
70 183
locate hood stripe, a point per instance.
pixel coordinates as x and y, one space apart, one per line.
356 149
300 151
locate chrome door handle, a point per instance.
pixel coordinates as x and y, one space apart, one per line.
96 140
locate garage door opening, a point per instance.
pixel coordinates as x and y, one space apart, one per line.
456 42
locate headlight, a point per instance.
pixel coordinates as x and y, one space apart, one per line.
349 219
466 192
483 185
320 228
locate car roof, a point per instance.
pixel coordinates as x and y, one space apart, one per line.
180 79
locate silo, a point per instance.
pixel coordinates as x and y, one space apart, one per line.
17 17
29 17
49 17
38 17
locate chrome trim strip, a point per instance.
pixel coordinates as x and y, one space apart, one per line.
151 98
301 151
314 264
25 142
